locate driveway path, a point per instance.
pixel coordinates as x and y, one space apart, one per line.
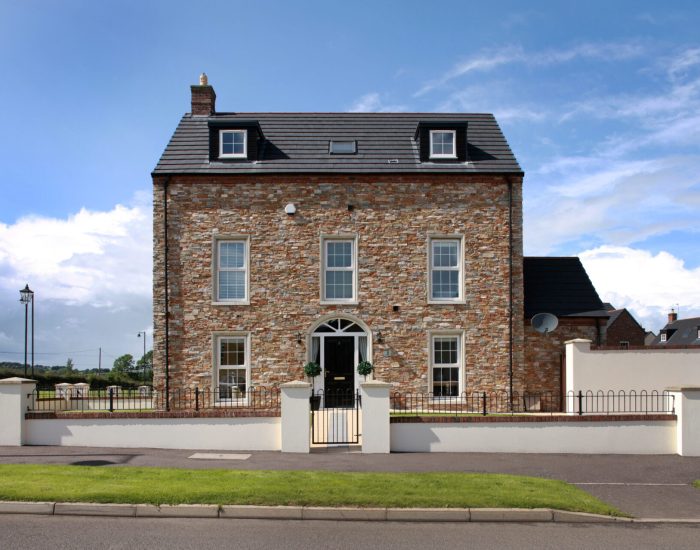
654 486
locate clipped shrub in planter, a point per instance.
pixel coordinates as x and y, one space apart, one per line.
312 370
365 368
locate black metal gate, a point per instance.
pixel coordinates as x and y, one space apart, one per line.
335 417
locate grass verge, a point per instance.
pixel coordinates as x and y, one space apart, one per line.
696 483
30 482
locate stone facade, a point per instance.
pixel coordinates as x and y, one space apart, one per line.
545 354
392 218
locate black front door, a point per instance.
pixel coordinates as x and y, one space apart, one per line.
339 371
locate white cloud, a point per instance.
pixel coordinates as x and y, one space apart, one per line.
87 258
491 59
373 103
647 284
614 201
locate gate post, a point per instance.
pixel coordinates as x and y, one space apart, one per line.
296 409
687 407
15 399
376 430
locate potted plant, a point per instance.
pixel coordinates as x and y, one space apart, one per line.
312 370
365 368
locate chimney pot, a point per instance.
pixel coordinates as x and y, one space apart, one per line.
672 317
203 97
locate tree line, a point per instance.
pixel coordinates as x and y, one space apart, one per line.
125 371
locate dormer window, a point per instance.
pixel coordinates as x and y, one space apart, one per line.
663 337
336 147
442 144
233 143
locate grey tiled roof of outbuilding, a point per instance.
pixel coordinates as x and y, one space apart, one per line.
298 143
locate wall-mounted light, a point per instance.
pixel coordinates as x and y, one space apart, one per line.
298 337
380 338
290 209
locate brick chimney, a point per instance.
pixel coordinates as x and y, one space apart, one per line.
203 98
672 317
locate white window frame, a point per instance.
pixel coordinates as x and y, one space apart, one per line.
325 239
460 299
459 335
217 337
454 145
663 337
223 155
216 300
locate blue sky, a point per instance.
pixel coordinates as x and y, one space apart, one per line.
600 102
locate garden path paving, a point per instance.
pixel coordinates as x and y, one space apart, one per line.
654 486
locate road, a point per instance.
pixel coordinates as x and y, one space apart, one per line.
55 533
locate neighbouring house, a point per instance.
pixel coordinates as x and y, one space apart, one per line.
622 329
679 332
560 286
286 238
649 338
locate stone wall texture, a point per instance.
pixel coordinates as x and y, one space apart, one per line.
545 354
392 218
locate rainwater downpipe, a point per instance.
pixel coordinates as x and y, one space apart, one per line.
510 290
167 294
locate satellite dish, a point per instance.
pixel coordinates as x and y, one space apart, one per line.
544 322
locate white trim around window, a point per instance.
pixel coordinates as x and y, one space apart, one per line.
446 269
338 275
231 366
231 270
443 145
446 363
233 144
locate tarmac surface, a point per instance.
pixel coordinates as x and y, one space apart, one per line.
651 486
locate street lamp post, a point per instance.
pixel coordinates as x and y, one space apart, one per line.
143 357
25 297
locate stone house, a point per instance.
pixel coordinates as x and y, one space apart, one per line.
285 238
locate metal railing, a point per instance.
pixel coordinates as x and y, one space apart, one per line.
138 400
502 402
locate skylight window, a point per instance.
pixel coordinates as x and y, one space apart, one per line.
342 147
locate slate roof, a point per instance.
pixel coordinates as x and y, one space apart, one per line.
559 286
679 333
298 143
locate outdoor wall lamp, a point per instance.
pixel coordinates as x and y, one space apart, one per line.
298 337
290 209
380 338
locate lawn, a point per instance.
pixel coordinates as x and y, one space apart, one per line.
308 488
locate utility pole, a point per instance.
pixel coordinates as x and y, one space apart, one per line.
99 363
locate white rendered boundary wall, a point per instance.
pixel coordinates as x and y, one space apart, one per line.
224 434
627 370
585 437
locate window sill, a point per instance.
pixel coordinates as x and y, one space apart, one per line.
231 303
447 302
340 303
244 156
443 157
